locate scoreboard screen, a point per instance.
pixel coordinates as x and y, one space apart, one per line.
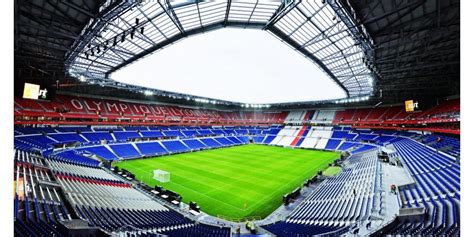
411 106
35 92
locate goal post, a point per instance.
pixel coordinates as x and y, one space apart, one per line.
161 175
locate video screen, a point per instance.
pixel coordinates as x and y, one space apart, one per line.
36 92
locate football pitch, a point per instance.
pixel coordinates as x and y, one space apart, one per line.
235 182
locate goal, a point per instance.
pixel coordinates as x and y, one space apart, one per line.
161 175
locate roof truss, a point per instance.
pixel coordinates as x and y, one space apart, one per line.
323 32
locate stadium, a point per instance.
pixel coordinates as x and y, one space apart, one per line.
342 117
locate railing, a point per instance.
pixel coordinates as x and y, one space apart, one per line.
337 232
123 231
245 219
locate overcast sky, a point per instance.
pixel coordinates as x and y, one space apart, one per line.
248 66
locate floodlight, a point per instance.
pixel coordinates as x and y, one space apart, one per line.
132 33
148 92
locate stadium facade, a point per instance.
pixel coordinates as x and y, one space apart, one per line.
395 136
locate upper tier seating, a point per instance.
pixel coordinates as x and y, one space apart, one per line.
28 104
94 108
325 116
295 116
448 109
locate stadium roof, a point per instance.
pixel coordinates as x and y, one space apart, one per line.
320 30
417 45
45 31
412 46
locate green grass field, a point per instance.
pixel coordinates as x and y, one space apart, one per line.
235 182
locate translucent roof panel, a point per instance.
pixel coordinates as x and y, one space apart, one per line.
315 29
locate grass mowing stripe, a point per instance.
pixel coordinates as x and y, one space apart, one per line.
207 176
236 182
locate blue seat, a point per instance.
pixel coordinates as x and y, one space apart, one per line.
125 150
151 148
97 136
210 142
332 144
268 139
67 137
125 136
175 146
224 141
100 151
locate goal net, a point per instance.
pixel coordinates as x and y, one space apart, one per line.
161 175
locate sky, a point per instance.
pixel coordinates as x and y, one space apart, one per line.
239 65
